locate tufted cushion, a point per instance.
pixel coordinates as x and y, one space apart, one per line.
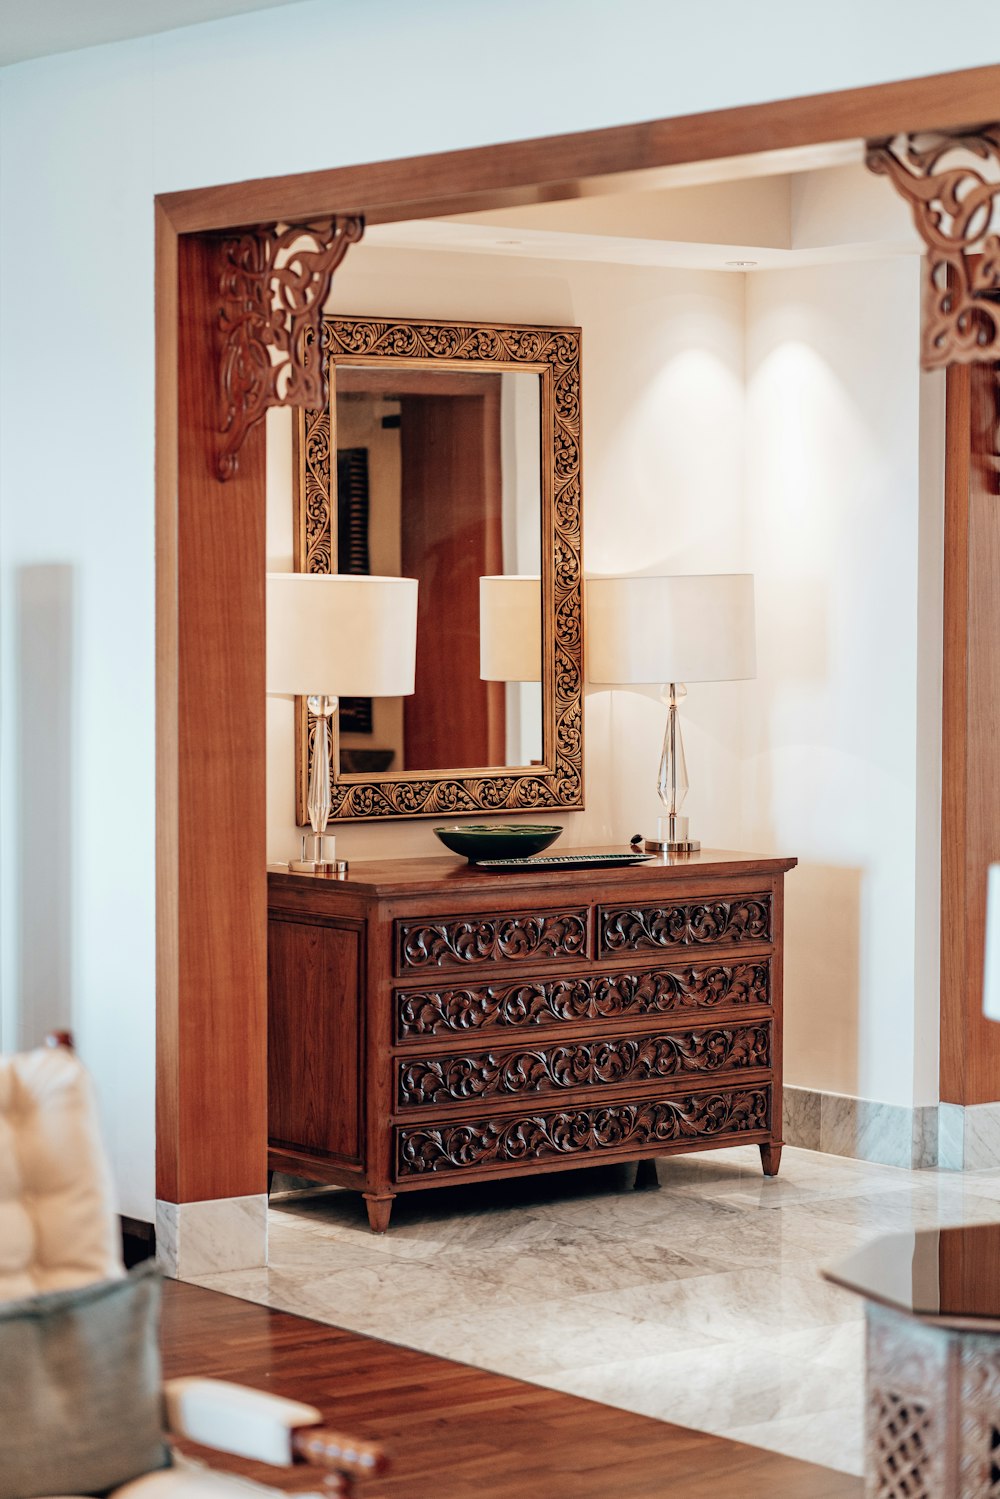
57 1221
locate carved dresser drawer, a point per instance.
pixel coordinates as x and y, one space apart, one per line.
610 1061
718 922
481 1145
430 1021
619 994
491 937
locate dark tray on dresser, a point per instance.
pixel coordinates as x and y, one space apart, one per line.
430 1022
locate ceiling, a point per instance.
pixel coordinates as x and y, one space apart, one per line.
35 28
769 211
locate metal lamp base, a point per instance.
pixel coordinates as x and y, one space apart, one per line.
673 845
318 866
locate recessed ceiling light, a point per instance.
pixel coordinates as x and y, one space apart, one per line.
741 265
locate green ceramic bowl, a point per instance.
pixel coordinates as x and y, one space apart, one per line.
480 840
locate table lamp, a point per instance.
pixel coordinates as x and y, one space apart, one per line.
333 635
510 628
669 631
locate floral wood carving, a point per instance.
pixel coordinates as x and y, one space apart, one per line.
595 1128
486 939
556 351
430 1012
274 282
607 1062
735 919
951 197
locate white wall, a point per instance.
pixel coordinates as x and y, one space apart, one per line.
373 79
662 464
85 141
76 500
841 763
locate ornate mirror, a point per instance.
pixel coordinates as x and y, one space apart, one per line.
450 453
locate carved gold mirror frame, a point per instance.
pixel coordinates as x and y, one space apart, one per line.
553 353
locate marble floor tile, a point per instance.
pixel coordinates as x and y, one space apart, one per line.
249 1285
735 1305
746 1381
835 1441
734 1175
700 1303
597 1264
558 1335
837 1346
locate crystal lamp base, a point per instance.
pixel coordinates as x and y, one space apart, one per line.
319 855
672 837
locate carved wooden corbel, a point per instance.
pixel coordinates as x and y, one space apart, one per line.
952 201
274 282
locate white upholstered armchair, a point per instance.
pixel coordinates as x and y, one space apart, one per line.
78 1346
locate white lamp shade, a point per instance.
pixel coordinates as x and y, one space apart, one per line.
697 628
991 971
510 629
337 635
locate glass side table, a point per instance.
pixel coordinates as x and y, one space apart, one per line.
932 1307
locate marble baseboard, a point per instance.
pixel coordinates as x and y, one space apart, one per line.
203 1238
969 1136
801 1118
861 1128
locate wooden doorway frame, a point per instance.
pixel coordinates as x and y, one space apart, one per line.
211 960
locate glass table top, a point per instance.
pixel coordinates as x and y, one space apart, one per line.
950 1275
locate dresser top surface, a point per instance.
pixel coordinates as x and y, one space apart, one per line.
449 872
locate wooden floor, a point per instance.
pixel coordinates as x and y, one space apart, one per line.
455 1432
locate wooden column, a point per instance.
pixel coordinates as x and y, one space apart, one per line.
970 812
211 928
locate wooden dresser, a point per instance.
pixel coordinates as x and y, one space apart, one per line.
431 1022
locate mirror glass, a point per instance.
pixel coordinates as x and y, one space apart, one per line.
438 477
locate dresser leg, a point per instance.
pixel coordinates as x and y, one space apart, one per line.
770 1159
379 1209
646 1179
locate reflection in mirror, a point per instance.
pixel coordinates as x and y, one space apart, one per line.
439 479
510 651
